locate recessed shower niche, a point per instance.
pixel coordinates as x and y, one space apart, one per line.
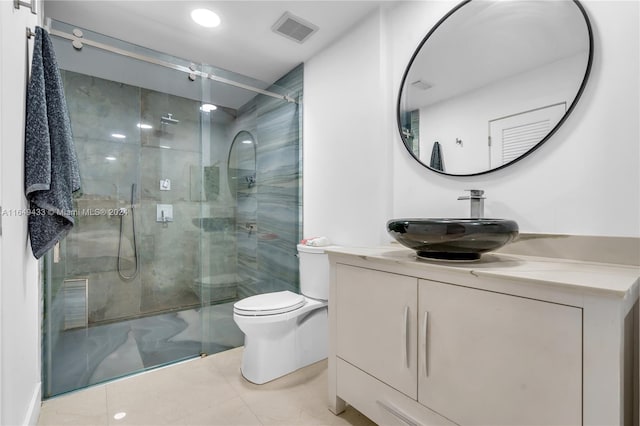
127 291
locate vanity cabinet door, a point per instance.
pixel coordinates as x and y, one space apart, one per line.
376 325
494 359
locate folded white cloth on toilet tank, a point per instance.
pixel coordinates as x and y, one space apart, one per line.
316 241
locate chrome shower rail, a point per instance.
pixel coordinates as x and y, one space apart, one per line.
78 43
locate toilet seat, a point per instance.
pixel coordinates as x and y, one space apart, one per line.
269 304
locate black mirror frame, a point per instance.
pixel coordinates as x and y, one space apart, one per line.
535 147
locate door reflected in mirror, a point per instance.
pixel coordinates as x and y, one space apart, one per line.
492 81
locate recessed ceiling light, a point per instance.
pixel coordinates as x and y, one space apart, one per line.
208 107
145 126
120 415
110 158
247 141
118 136
205 17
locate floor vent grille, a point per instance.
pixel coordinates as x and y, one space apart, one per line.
75 295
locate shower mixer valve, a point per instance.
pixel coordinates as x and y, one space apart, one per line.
164 213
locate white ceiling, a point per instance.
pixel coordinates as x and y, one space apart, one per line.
243 43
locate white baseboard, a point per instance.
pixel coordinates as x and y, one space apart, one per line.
31 417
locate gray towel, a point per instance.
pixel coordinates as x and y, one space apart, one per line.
50 163
437 162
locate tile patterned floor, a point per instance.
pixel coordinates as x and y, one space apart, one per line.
207 391
92 355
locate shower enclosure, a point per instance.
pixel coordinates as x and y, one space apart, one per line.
190 200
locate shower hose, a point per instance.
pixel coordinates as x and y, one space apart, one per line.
122 275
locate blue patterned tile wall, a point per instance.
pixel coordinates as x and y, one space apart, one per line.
267 258
279 186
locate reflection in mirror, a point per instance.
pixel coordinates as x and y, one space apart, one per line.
492 81
241 167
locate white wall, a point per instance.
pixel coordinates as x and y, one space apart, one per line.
585 180
346 156
466 116
19 287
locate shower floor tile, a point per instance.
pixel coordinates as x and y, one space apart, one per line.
203 391
153 335
84 357
79 352
120 362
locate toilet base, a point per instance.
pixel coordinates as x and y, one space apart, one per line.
290 345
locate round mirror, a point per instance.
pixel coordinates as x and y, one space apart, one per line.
241 166
492 81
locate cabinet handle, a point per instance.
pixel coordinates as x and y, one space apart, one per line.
425 334
405 336
395 411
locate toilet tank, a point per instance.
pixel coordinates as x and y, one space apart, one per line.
314 272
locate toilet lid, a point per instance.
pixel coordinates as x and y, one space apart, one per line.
269 303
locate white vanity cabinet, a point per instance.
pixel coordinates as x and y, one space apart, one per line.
378 333
416 345
495 359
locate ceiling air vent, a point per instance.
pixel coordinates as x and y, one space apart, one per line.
422 85
294 28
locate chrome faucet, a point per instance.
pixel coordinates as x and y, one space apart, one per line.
476 196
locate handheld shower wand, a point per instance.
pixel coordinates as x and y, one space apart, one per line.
135 245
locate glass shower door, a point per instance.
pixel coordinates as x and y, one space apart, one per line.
121 291
171 227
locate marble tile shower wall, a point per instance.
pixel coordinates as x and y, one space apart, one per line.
246 209
266 257
169 254
174 256
278 181
98 108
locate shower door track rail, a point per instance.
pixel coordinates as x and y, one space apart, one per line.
165 64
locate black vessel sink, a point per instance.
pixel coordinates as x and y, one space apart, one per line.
453 239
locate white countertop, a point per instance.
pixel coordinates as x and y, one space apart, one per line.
607 278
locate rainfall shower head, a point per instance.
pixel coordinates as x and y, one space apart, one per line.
168 119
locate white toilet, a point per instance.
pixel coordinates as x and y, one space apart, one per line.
285 331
